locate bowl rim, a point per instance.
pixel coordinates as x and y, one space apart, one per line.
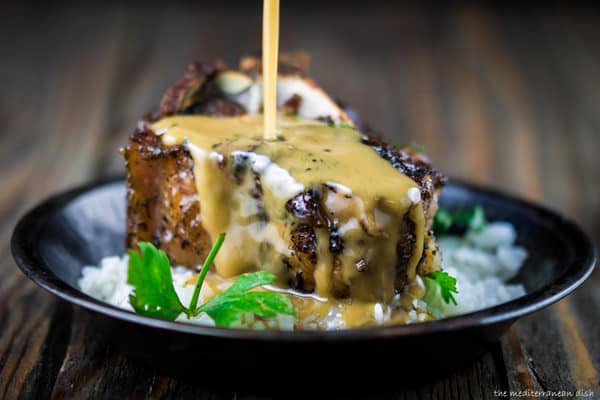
31 224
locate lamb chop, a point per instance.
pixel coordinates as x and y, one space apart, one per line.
315 237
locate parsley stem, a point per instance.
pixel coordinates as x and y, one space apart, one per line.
205 267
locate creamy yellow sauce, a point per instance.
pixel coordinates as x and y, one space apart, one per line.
315 312
269 66
366 198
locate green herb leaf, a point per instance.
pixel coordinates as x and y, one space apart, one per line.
442 221
473 217
205 267
245 282
229 307
149 272
154 294
446 284
340 125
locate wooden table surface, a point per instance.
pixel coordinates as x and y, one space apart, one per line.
497 97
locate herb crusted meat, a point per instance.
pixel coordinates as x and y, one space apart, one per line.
163 206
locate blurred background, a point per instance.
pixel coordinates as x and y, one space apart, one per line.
502 96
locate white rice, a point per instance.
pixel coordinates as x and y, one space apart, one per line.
108 282
481 261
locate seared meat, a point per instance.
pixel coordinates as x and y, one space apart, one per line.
162 203
164 206
194 89
415 165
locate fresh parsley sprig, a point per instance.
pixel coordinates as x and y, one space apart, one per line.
473 218
229 307
149 273
205 267
154 295
446 284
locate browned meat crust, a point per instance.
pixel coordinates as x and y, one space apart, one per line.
301 265
190 89
163 206
416 166
162 203
295 63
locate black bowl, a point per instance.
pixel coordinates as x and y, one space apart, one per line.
53 241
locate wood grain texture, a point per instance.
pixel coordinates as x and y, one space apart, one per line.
506 98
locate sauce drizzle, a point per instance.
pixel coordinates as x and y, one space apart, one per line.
269 66
365 199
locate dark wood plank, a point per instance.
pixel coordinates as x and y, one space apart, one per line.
93 368
500 98
555 163
55 125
